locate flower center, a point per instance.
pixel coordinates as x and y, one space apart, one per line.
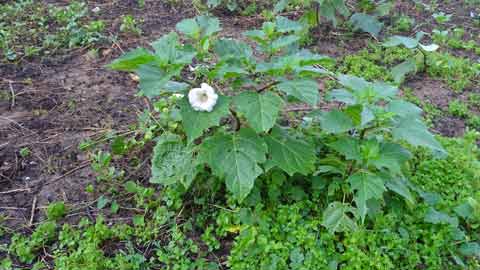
203 97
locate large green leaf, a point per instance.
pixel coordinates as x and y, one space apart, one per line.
342 95
347 146
353 82
280 6
366 23
384 90
290 154
401 40
392 156
304 90
199 27
335 121
189 27
235 157
152 80
399 186
195 122
284 41
208 25
225 70
336 218
132 60
169 51
436 217
404 108
172 162
471 249
261 110
401 70
360 115
285 25
367 186
229 48
329 9
416 133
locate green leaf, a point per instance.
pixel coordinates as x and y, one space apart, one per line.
341 95
399 186
336 121
392 156
229 48
261 110
336 218
410 43
304 90
367 186
464 210
175 87
284 41
470 249
168 50
366 23
196 122
285 25
102 201
290 154
152 80
384 90
280 6
235 157
311 71
429 48
347 146
401 70
360 115
166 47
208 25
353 82
404 108
189 27
256 35
199 27
132 60
172 162
416 133
436 217
225 71
213 3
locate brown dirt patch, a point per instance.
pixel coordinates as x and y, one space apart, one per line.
61 101
432 91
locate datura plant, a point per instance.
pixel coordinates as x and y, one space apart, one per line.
236 116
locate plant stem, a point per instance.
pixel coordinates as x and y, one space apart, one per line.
235 121
267 86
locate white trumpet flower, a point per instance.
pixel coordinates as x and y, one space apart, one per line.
203 99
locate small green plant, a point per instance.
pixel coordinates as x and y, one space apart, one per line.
474 99
414 63
441 17
403 24
56 211
458 108
474 122
130 25
101 164
25 152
